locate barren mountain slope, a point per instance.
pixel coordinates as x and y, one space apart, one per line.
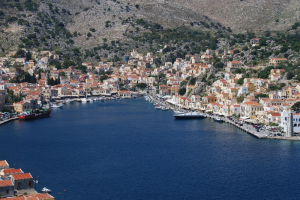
242 15
111 19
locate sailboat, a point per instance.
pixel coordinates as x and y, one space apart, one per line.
85 99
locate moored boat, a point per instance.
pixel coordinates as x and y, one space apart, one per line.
56 105
189 115
218 119
164 108
34 114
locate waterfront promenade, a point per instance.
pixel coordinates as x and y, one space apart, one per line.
8 120
248 128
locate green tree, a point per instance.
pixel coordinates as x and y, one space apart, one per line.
142 86
262 96
182 91
240 81
193 81
103 77
296 107
240 99
219 65
183 83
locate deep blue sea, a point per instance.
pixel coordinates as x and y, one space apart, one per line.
126 149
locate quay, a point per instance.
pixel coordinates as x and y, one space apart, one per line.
8 120
247 128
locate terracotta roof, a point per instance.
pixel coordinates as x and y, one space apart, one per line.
22 176
6 183
12 171
236 62
44 196
275 114
3 163
252 104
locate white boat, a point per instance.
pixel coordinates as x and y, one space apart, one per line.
179 112
56 105
189 115
85 99
164 108
218 119
158 107
46 190
68 100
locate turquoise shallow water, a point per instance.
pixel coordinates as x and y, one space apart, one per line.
126 149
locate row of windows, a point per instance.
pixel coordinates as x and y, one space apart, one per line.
258 109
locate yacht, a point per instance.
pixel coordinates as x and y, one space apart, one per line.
179 112
189 115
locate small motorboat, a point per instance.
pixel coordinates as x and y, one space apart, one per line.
46 190
56 106
158 107
218 119
164 108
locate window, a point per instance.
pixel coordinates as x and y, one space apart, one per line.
29 183
7 191
19 184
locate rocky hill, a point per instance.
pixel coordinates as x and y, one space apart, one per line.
57 24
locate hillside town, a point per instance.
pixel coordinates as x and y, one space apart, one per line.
193 82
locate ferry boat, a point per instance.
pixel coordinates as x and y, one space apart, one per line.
34 114
189 115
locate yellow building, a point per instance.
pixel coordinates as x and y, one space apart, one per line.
21 106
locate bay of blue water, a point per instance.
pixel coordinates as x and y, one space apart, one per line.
126 149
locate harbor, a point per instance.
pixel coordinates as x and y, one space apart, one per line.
260 133
121 143
45 109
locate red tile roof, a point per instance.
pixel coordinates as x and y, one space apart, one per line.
276 114
3 163
34 197
12 171
6 183
22 176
